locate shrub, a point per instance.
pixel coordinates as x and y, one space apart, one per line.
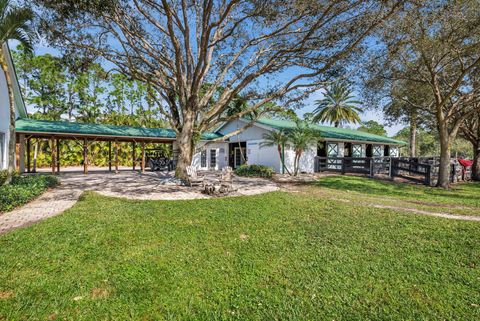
23 189
255 171
3 176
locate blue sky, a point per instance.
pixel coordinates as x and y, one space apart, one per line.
369 114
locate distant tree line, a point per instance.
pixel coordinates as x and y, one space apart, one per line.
77 89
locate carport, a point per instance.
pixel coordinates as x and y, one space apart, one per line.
85 134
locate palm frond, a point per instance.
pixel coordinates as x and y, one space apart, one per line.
14 24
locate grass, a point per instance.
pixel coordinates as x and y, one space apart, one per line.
272 256
463 198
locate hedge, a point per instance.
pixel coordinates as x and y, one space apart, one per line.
255 171
23 189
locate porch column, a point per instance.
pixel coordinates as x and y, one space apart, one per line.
116 157
143 158
133 155
53 149
28 155
58 155
85 156
109 155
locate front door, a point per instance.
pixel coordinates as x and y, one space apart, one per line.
238 156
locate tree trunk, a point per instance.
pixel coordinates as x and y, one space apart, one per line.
413 137
444 169
11 144
476 161
186 146
282 160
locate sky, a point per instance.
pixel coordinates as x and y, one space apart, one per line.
368 114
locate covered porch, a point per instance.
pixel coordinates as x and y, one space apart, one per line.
84 136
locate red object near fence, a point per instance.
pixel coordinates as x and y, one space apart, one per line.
465 162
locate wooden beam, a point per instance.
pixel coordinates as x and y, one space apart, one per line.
85 157
17 156
116 157
58 155
143 158
133 155
109 156
28 155
53 155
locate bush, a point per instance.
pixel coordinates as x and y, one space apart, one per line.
255 171
23 189
3 176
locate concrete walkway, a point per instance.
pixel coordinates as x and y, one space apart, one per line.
127 184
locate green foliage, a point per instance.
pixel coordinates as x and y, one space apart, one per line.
3 176
338 106
372 127
276 256
254 171
278 139
23 189
14 25
428 143
82 91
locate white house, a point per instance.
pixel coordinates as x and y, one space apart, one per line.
5 110
247 146
212 152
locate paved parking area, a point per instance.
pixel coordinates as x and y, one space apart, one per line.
128 184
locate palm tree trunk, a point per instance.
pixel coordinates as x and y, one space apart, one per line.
11 144
282 159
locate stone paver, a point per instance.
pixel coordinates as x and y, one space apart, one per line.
127 184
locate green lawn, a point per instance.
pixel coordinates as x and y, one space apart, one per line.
463 198
272 256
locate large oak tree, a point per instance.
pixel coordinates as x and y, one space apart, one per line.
265 51
436 45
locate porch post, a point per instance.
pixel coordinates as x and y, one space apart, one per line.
58 155
85 156
143 158
28 155
53 155
109 155
116 157
133 155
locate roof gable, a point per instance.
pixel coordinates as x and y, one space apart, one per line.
17 94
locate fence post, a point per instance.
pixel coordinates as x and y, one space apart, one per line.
371 166
390 167
428 175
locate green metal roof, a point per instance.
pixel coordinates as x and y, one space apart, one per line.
28 125
328 132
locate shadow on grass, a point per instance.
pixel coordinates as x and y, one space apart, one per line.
382 188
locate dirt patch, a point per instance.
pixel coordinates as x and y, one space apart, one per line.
99 293
243 237
6 295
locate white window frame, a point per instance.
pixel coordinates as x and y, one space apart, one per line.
203 156
210 158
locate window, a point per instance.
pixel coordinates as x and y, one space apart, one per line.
213 158
203 159
394 151
356 150
2 149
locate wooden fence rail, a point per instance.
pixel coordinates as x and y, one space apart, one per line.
423 170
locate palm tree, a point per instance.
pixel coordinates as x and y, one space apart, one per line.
338 106
279 139
301 137
13 25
